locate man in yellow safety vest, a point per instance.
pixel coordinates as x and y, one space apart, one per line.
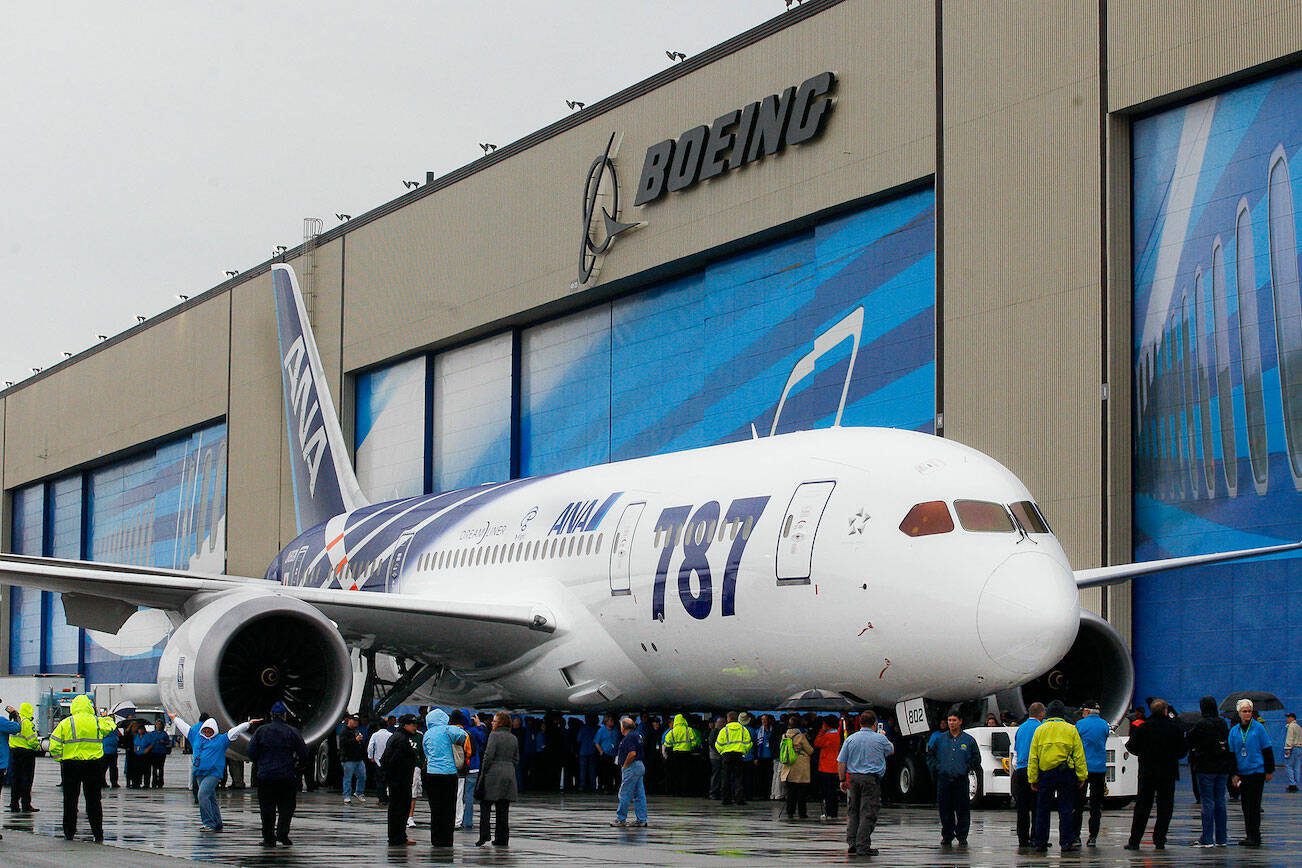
23 746
78 744
732 743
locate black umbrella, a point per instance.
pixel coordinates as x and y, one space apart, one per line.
1261 701
816 699
1187 719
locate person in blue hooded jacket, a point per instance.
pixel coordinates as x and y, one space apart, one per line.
440 781
111 758
7 728
209 746
479 739
1094 732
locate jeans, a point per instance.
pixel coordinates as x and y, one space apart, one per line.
111 769
864 804
955 809
1293 765
1211 789
468 797
209 814
354 778
631 789
1057 789
1095 784
587 772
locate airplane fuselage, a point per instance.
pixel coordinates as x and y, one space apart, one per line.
734 575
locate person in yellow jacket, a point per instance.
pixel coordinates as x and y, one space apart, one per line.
78 744
23 746
679 745
733 743
1056 770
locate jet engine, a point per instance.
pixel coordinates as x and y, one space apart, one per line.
1097 666
248 648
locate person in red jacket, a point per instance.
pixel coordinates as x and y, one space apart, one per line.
828 745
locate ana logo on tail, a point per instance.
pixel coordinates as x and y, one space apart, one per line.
300 396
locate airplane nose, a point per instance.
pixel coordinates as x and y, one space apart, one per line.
1028 613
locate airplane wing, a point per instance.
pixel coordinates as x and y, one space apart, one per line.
102 596
1099 576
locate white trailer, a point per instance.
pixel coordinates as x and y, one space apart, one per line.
998 758
49 695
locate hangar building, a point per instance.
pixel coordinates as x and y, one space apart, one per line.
1064 233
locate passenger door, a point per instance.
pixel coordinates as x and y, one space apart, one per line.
621 550
799 527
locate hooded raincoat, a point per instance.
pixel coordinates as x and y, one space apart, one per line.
438 741
209 750
26 737
80 735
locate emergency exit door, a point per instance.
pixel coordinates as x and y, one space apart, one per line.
798 530
621 550
396 561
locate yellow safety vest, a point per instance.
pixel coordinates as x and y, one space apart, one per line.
80 736
733 738
25 738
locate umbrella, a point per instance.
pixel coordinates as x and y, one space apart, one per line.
820 700
1261 700
124 709
1187 719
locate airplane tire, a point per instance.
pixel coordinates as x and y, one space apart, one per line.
911 780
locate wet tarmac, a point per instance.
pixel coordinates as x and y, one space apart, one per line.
161 827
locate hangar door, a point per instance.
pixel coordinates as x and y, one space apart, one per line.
799 527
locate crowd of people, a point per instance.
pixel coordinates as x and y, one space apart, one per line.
461 759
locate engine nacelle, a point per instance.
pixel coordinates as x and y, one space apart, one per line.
248 648
1097 666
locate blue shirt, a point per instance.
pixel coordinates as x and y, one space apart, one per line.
1094 732
952 756
865 753
606 739
1248 747
630 742
438 741
587 736
1022 742
7 727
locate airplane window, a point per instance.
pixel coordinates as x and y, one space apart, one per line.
925 519
556 544
786 526
599 536
981 516
732 529
745 530
1028 515
721 529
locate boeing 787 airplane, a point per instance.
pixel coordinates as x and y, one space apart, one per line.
870 564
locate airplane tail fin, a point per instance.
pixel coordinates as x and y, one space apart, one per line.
324 482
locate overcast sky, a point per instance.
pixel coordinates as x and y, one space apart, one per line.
148 147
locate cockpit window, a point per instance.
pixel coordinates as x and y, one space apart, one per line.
928 518
981 516
1028 515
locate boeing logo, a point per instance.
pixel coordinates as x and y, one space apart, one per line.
601 183
304 407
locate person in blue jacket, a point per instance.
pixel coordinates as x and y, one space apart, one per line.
605 741
1094 732
7 728
1256 765
441 779
951 754
479 738
111 759
1023 796
209 746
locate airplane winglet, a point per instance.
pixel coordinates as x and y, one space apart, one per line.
1100 576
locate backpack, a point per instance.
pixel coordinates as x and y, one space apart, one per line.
787 751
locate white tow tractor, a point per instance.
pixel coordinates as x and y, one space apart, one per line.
998 758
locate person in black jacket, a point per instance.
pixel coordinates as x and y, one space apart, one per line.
401 758
1211 764
1159 745
279 751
